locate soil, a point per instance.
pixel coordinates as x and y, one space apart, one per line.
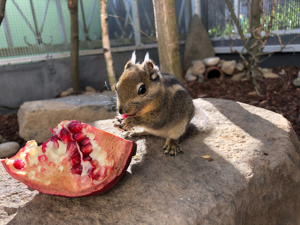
280 96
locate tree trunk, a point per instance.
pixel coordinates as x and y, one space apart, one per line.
167 37
73 8
2 10
106 45
254 56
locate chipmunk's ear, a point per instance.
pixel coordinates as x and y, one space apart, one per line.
128 65
131 62
149 68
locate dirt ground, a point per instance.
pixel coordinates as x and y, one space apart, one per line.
280 96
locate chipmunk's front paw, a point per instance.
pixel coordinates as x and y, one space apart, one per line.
172 147
127 124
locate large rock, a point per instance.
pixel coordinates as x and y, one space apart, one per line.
197 45
254 178
36 118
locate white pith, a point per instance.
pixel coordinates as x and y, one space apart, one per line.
32 152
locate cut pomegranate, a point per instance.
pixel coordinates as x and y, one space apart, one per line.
78 160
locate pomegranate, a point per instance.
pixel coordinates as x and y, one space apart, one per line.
78 160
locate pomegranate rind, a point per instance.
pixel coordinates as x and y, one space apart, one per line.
64 184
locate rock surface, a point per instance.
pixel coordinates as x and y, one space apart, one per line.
254 178
238 76
211 61
198 45
296 82
36 118
228 67
9 149
198 67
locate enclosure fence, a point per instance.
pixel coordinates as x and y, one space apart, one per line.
34 30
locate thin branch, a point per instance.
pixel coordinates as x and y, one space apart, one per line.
262 12
249 13
236 21
2 10
269 26
133 26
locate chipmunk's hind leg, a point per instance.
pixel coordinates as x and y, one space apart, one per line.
172 147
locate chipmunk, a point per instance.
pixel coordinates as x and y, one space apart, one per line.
155 101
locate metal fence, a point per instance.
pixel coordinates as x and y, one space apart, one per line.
37 29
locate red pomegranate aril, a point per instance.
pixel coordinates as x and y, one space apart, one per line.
85 142
88 158
76 159
86 149
19 164
77 169
55 139
44 146
72 147
65 135
75 127
79 137
43 158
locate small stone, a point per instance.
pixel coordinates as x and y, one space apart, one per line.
238 77
189 75
282 72
296 82
8 149
198 67
201 78
68 92
298 74
90 89
221 63
211 61
228 67
253 93
265 70
239 67
270 75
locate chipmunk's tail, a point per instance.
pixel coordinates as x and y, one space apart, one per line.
200 120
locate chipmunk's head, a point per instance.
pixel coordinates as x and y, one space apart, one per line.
137 87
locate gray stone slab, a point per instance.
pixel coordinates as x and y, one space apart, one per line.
36 118
254 178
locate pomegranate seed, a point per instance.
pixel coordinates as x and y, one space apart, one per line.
79 137
85 142
72 147
44 146
86 149
19 164
65 135
75 127
43 158
55 139
94 163
87 158
77 169
75 159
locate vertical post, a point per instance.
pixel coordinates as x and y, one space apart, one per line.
106 45
61 22
166 33
73 8
136 22
187 17
236 8
196 7
2 10
7 32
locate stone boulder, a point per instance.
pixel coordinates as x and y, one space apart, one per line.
36 118
9 149
251 177
198 45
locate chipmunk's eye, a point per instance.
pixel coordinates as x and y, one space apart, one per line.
142 90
